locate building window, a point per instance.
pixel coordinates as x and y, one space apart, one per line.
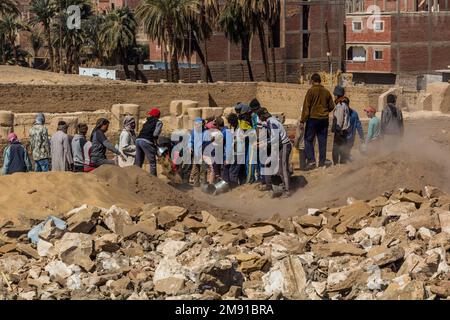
357 54
357 26
378 26
378 55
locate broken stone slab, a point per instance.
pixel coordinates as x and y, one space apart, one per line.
444 219
286 244
351 214
309 221
421 218
7 248
170 285
336 249
192 224
286 276
425 234
27 250
175 108
264 231
339 281
403 288
58 269
412 197
172 248
12 262
46 249
381 255
380 201
169 214
432 192
84 220
147 226
441 288
107 242
398 209
116 219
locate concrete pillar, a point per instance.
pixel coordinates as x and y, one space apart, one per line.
119 111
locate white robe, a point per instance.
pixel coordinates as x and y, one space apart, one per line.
61 152
126 143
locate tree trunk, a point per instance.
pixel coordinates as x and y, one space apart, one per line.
199 51
246 46
123 57
175 72
262 42
272 51
166 65
49 47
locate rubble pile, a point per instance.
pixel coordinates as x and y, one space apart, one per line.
392 247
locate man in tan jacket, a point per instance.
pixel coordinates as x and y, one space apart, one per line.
315 117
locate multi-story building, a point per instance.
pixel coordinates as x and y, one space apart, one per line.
301 40
389 41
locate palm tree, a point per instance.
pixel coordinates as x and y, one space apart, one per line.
9 7
257 11
118 34
164 21
93 47
237 29
43 12
10 26
272 15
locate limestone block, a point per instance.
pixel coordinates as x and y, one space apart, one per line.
188 123
4 131
119 111
176 122
188 104
6 118
207 113
425 102
228 111
218 112
440 92
194 113
72 122
176 107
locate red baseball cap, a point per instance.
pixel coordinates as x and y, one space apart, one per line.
154 113
370 109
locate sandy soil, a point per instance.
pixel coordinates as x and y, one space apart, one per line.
20 75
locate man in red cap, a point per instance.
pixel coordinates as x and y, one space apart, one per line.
147 140
374 125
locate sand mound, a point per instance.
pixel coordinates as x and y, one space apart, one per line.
37 195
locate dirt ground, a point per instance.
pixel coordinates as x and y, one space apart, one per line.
422 158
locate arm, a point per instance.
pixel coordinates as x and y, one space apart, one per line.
360 129
125 144
27 160
5 161
158 129
331 105
67 150
108 145
306 107
371 131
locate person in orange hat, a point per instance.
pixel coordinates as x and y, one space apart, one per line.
374 125
147 140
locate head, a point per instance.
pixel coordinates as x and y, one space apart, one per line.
82 128
233 120
198 123
62 126
238 107
263 114
102 124
40 118
315 79
12 137
255 105
129 122
245 109
370 112
339 92
391 99
155 113
219 122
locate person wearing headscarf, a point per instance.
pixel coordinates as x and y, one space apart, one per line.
40 144
78 143
127 141
61 149
100 144
147 140
15 157
196 143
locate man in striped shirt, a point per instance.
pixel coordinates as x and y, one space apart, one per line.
277 135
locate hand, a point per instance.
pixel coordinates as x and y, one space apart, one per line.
123 157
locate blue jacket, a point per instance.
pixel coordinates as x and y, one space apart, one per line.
15 159
355 125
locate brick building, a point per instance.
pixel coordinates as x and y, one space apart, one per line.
301 44
405 38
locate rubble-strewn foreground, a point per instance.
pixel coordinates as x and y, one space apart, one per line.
392 247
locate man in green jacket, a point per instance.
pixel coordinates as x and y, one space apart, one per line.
315 115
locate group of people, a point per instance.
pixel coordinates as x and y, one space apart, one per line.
239 140
235 155
78 153
314 123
